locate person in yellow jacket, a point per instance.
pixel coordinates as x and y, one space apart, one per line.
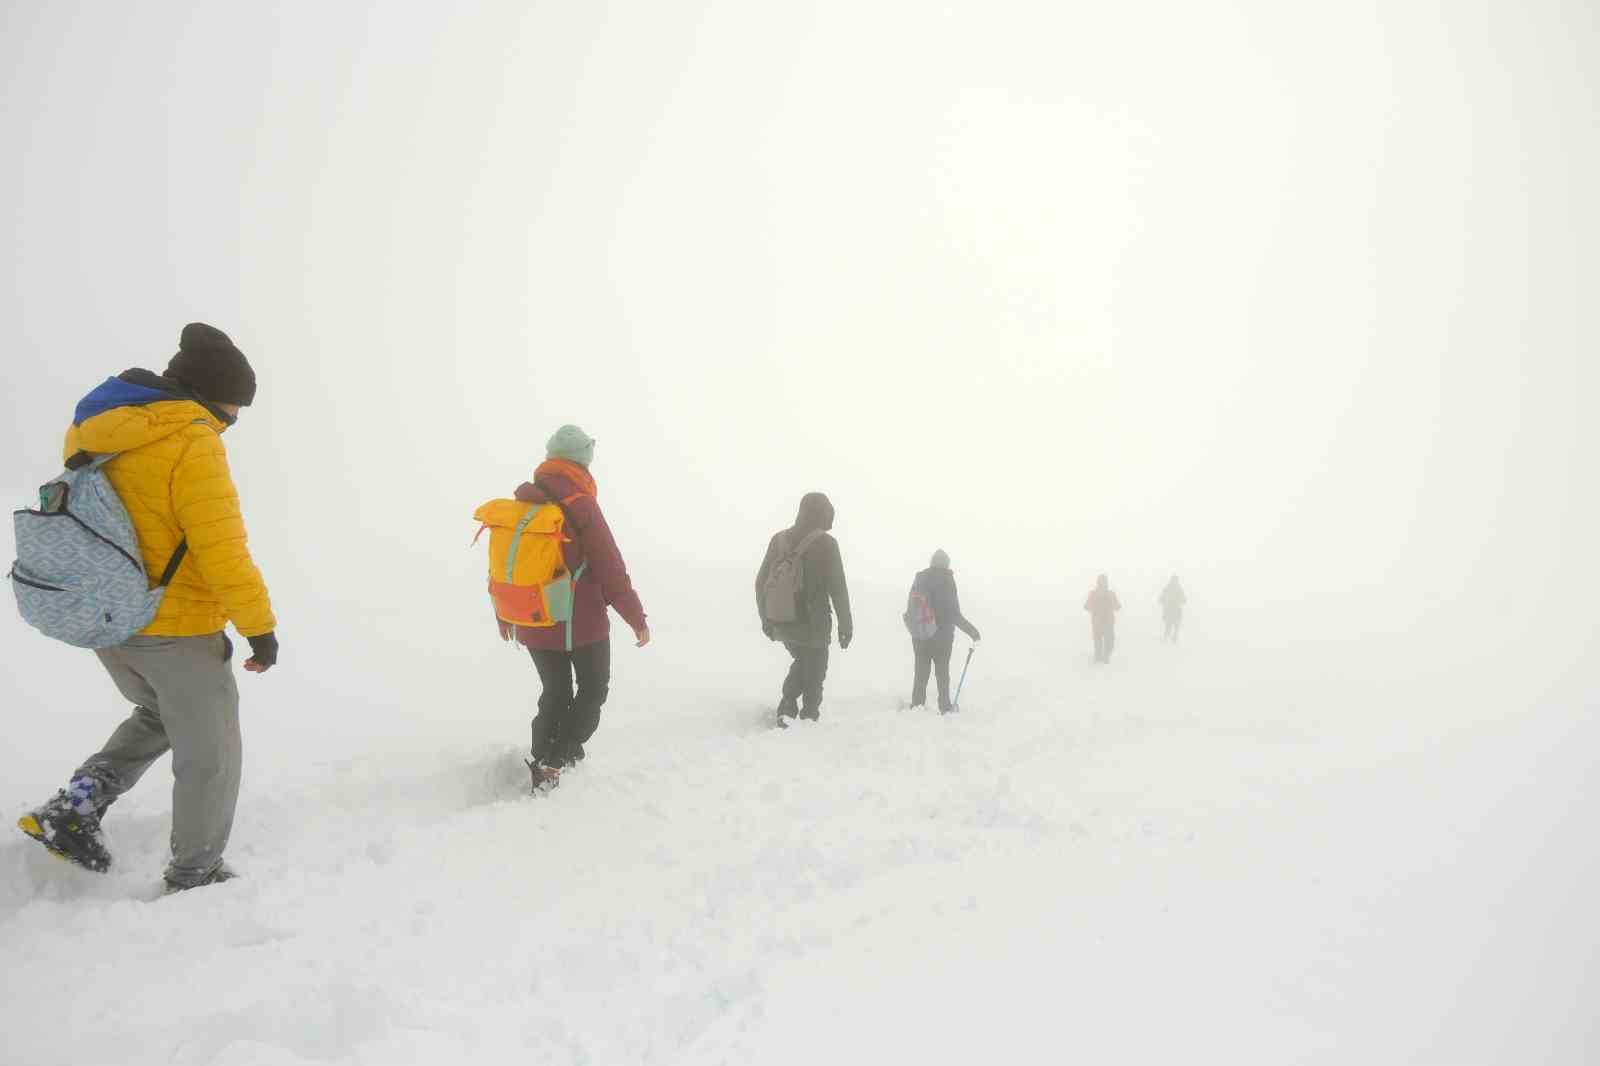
171 472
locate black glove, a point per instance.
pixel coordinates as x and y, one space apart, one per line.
976 636
264 650
845 639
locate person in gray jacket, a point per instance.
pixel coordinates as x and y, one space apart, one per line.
937 588
808 553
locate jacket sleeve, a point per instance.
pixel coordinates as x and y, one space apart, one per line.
206 504
605 561
957 617
839 592
761 579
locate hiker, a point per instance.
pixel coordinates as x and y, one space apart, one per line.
1172 601
933 614
800 585
170 472
1103 606
581 648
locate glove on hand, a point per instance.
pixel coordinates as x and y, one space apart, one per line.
263 651
845 639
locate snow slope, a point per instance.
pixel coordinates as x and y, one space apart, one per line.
1203 854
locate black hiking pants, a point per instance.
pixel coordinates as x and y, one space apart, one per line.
566 718
802 689
1105 640
933 655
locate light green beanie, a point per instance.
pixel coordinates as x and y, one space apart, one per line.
572 443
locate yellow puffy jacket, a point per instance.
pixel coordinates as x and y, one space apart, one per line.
172 475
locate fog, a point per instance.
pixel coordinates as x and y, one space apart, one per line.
1287 302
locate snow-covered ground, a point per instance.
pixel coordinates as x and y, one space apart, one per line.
1201 854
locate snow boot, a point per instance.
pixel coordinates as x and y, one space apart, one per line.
544 777
215 877
67 833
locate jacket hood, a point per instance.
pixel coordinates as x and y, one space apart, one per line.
134 409
816 512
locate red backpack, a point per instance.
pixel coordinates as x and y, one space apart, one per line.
919 616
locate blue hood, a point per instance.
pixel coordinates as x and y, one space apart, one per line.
120 392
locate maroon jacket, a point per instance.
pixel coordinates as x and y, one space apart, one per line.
605 582
1102 606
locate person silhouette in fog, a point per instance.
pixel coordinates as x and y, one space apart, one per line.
934 590
799 587
1103 606
1172 601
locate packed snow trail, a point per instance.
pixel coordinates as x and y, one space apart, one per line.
1166 859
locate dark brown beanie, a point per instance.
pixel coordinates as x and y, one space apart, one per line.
208 363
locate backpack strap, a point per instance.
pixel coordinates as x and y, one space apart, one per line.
516 542
81 459
806 542
565 503
172 564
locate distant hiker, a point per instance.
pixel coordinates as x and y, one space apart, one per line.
800 584
169 470
933 614
559 615
1172 601
1103 606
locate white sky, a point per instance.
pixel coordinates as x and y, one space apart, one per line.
1292 299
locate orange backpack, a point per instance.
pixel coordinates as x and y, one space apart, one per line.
528 578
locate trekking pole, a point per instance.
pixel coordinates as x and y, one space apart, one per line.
955 705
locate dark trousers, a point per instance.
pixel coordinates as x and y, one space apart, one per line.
806 674
1105 639
567 719
932 654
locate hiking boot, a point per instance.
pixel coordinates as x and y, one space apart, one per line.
544 777
215 877
68 834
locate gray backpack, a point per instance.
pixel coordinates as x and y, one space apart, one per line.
79 576
780 596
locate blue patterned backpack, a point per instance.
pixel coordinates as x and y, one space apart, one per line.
79 576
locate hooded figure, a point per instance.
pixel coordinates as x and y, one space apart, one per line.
1103 606
812 552
937 585
171 473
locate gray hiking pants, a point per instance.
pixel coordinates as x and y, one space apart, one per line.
186 701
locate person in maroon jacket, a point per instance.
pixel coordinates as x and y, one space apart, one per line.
1103 606
567 719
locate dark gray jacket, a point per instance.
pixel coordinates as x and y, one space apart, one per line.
822 588
939 586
